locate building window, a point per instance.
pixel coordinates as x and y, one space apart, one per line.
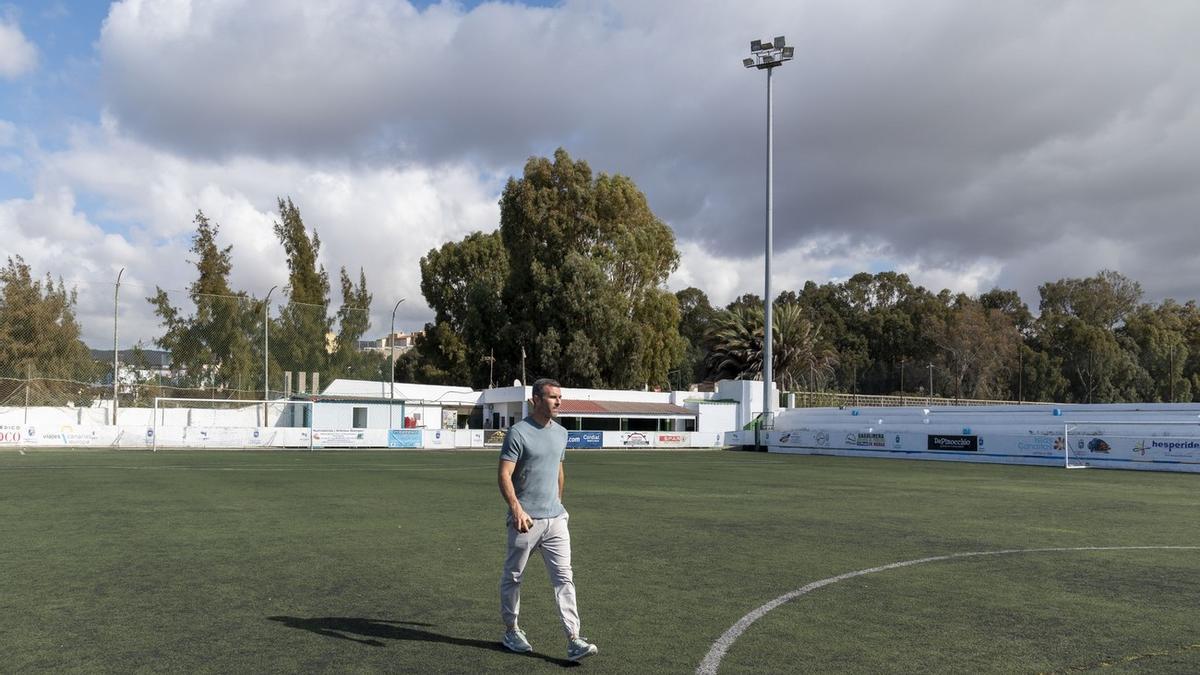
360 418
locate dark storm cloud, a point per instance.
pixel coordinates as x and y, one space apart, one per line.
940 131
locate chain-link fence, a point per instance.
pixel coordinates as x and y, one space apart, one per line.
57 343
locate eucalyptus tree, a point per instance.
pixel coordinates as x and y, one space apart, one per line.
585 294
462 282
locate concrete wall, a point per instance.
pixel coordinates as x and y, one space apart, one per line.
1163 437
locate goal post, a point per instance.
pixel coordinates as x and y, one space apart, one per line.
1067 457
231 423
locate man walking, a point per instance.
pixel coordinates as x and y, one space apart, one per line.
531 481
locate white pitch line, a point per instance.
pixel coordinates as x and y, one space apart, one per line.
712 660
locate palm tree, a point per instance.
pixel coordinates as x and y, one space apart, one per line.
796 354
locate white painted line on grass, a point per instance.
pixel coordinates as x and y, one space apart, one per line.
712 660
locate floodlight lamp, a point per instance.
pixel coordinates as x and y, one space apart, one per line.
779 42
755 45
749 63
788 52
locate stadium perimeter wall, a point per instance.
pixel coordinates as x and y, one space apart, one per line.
208 436
1156 437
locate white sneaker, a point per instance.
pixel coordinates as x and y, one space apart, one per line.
514 640
578 649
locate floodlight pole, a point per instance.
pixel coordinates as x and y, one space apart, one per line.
392 377
767 57
267 345
768 324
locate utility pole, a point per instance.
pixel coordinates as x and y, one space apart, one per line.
392 377
1172 376
491 361
267 344
523 383
116 296
1020 374
931 383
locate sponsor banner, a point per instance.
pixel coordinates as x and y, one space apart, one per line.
1096 446
258 438
292 437
585 439
739 438
339 438
635 439
953 442
74 436
1042 446
671 440
468 438
494 437
867 440
1169 447
404 438
215 437
11 435
439 438
799 437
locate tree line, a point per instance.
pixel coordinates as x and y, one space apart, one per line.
218 347
572 285
1093 340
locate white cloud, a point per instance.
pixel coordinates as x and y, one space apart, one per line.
934 130
8 133
379 219
18 55
966 144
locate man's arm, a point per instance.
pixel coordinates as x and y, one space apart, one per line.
562 478
521 520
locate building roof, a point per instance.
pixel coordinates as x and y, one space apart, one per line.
429 393
576 407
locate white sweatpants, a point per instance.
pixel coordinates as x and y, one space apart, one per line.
550 535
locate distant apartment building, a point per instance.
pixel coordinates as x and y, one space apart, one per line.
403 342
137 365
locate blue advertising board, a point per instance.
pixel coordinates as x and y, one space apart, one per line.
404 438
585 439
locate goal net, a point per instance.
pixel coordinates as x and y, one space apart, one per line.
236 423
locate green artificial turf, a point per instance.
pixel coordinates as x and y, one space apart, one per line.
389 562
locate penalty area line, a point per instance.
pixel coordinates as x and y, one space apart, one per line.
712 661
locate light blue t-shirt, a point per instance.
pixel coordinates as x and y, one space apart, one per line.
537 451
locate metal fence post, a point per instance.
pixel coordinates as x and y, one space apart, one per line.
116 297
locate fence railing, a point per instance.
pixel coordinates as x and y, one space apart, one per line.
82 344
829 399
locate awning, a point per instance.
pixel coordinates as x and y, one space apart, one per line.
580 408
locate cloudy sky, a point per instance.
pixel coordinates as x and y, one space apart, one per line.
968 144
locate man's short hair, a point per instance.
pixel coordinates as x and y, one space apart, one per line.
539 386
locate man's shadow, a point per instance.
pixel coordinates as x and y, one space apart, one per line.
372 631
